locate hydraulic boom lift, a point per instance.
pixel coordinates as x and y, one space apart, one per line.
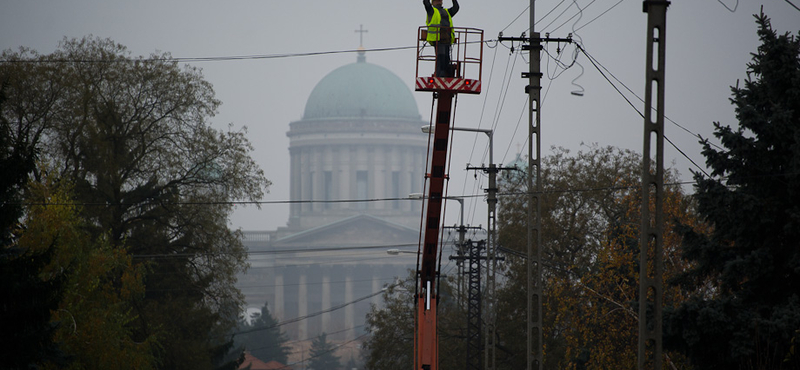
467 52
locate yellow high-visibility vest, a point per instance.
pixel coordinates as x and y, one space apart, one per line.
434 24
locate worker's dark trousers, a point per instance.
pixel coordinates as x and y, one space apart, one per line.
443 68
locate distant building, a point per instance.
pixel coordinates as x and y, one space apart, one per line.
253 363
359 139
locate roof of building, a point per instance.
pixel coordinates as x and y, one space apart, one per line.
255 364
361 90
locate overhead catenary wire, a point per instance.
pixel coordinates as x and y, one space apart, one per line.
569 190
289 366
314 314
306 340
224 58
292 251
387 279
735 6
592 58
638 111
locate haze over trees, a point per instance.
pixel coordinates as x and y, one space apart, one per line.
127 142
321 356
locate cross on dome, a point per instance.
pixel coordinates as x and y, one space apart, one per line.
361 51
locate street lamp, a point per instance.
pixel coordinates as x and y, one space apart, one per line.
460 201
490 133
395 251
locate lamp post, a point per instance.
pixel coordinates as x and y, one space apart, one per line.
395 251
490 133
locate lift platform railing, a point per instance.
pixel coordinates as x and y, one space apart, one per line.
466 57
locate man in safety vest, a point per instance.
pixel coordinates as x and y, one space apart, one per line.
440 33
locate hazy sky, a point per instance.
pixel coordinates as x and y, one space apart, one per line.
708 47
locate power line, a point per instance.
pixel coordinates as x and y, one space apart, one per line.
218 58
307 339
515 19
326 352
235 203
334 248
208 59
329 262
642 100
334 308
734 7
637 110
316 283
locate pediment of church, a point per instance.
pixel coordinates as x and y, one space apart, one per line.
361 230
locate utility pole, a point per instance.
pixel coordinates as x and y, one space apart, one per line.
460 246
473 353
535 291
471 253
535 346
490 299
652 226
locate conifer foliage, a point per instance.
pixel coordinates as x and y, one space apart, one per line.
263 337
322 357
744 311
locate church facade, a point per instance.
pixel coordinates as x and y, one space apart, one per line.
356 155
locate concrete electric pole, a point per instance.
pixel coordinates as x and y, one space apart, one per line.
652 226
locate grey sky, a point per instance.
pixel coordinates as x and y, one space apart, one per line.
707 50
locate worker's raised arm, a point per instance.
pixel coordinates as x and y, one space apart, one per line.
428 8
454 9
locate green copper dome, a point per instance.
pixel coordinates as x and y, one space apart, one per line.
361 90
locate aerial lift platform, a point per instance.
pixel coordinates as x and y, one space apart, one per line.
467 55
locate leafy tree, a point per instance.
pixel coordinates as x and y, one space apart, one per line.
603 321
582 200
28 299
322 357
263 338
390 345
744 311
101 283
132 135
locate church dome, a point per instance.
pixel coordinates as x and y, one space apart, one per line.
361 90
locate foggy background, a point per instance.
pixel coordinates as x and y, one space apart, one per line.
708 47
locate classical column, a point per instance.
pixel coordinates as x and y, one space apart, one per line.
326 299
295 192
349 311
278 309
302 304
376 286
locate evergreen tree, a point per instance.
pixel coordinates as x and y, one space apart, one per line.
263 337
352 364
744 311
322 357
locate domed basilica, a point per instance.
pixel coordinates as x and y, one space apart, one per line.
359 139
